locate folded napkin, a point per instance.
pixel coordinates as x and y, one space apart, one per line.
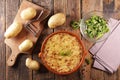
112 23
106 53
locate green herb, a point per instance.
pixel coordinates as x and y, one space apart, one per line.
96 27
75 24
65 53
87 61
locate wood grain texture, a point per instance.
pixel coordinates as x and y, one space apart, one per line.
96 74
91 5
88 6
24 34
19 71
118 74
117 5
2 45
43 73
60 6
110 76
107 1
108 6
72 11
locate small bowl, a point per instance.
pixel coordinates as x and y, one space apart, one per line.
83 26
42 54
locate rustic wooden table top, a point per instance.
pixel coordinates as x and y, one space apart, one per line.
74 10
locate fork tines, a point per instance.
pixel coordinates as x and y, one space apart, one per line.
33 28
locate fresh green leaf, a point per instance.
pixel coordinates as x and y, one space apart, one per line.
65 53
87 61
75 24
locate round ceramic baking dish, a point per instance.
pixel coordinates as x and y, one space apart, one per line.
59 66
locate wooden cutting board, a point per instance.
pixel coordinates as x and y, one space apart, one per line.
13 43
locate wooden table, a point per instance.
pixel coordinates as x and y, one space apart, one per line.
74 10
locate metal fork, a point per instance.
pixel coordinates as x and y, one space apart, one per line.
34 26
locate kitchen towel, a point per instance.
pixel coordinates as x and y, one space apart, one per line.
112 23
105 52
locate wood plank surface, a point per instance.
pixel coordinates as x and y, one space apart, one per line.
43 73
57 9
24 34
117 4
88 72
109 6
2 45
74 10
19 71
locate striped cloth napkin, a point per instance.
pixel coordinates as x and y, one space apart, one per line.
107 53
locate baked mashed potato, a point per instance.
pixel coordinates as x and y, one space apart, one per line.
62 52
